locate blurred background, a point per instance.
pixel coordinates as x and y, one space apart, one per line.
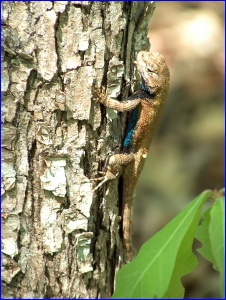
187 153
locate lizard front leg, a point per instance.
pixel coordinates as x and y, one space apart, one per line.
102 97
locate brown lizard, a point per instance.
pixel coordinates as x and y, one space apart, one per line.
146 105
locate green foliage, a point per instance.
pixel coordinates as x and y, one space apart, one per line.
157 270
211 234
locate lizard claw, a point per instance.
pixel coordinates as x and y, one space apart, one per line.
99 178
105 179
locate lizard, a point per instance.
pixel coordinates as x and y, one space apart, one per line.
145 105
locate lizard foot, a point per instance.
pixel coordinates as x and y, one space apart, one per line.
107 177
99 95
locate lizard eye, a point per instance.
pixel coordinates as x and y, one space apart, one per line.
152 68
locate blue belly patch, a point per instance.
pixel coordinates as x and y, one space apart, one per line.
131 128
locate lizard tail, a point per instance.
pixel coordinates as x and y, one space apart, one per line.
127 232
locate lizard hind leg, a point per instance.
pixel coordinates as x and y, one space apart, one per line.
115 168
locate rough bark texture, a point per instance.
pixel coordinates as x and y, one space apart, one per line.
60 239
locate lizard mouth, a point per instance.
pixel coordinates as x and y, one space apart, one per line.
149 90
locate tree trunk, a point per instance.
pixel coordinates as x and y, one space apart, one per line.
59 238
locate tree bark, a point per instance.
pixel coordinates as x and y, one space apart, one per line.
59 239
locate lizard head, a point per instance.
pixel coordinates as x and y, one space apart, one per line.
154 72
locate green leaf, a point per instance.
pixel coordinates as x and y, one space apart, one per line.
211 234
157 270
202 234
217 237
